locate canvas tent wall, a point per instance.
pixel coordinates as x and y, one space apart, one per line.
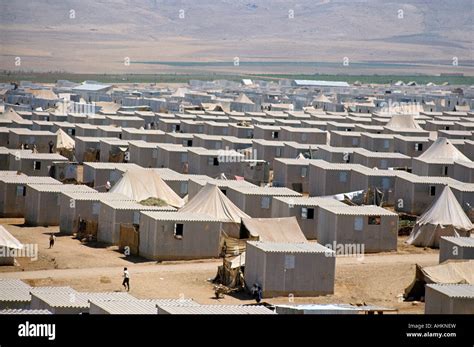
283 230
449 272
302 269
438 159
140 185
211 201
8 245
444 218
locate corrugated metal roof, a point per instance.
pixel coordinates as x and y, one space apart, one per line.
309 201
23 179
277 247
463 187
180 217
91 196
334 307
463 291
140 306
24 311
52 290
294 161
12 283
39 156
78 299
214 309
135 206
266 191
370 210
460 241
112 166
371 154
21 294
10 173
55 188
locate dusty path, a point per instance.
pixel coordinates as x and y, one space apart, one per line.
377 279
206 265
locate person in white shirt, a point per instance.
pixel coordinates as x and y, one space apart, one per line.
126 279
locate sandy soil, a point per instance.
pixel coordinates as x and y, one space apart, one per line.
377 279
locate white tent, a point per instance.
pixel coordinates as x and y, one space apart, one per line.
445 217
244 99
211 201
443 149
144 184
64 141
7 240
11 114
403 121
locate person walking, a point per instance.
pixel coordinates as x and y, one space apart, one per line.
51 146
126 279
52 238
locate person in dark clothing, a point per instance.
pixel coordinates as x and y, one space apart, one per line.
257 293
52 238
51 146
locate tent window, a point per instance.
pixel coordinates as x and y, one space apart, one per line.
304 171
136 217
355 141
445 171
418 147
215 161
274 134
384 163
189 143
342 176
265 203
386 144
289 262
178 231
184 188
184 157
304 137
278 151
36 165
446 128
374 220
20 190
358 224
95 208
432 190
307 213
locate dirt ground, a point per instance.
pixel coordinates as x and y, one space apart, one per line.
377 279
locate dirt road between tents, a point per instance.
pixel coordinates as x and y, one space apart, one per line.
377 279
